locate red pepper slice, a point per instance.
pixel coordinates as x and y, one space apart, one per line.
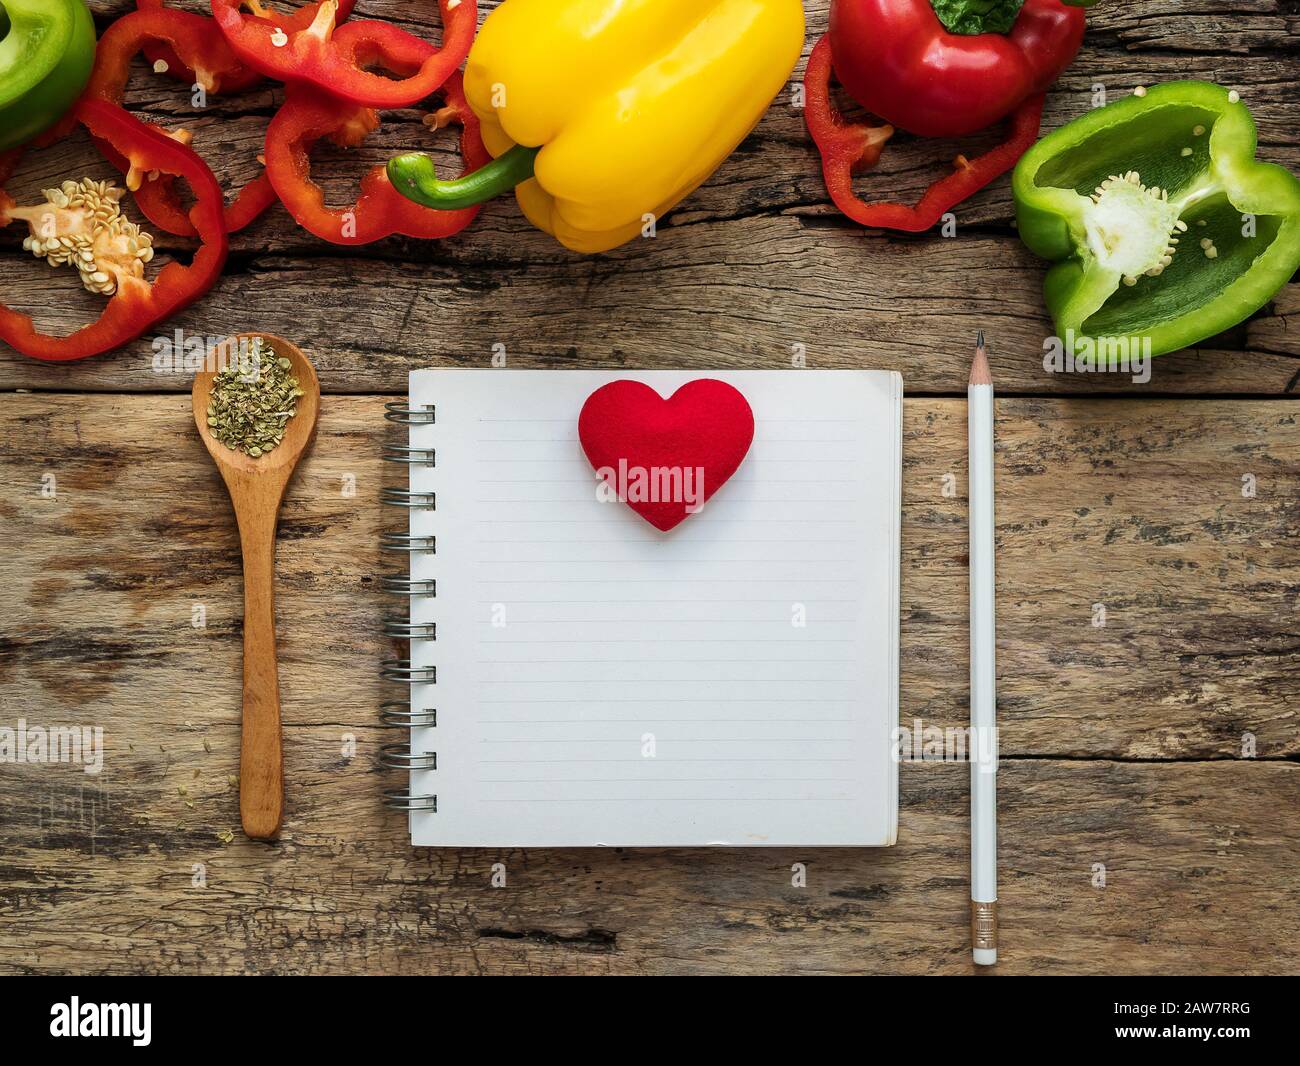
137 304
162 56
847 148
335 60
197 44
380 211
157 52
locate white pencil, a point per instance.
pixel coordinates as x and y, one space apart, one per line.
983 675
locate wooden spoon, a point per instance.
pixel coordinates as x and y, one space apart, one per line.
256 488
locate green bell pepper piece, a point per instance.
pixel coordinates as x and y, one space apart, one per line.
1163 227
47 49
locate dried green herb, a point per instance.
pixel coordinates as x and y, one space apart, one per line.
253 397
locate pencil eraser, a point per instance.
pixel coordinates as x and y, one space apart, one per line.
985 956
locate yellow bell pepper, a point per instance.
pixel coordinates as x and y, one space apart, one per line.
607 113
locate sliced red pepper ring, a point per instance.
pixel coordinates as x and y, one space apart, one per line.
335 60
165 61
214 67
136 304
381 211
848 148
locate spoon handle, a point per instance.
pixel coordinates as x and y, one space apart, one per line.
261 756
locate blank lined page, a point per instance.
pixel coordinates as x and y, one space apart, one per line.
599 682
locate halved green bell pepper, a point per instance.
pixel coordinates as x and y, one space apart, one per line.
47 49
1163 226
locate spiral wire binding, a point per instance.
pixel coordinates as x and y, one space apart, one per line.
403 714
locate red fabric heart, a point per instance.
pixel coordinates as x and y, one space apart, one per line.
665 458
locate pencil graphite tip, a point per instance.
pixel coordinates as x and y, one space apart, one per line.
979 368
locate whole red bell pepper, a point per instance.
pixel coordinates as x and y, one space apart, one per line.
902 62
936 68
336 59
194 40
137 304
307 116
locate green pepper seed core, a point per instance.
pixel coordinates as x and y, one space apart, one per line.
1131 229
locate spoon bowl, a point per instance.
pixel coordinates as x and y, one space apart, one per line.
257 487
299 431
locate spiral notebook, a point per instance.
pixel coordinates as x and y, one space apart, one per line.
579 678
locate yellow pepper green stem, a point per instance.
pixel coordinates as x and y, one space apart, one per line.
413 175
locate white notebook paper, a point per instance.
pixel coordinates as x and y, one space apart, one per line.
733 681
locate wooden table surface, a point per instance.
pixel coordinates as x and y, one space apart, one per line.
1135 835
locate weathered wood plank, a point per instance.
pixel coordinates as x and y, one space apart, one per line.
737 294
1199 870
1135 506
754 262
1174 25
1198 25
768 174
775 170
